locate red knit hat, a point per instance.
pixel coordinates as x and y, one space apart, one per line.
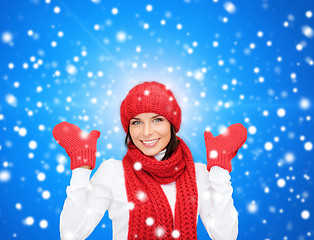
150 97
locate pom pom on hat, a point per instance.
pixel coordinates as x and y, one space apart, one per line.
150 97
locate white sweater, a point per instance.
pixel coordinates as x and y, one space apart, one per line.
88 200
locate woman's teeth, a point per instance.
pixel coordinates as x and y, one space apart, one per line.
150 142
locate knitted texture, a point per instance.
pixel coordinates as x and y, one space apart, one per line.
221 149
150 97
81 148
150 212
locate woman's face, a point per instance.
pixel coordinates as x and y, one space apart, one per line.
150 133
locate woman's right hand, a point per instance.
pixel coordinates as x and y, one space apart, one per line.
80 147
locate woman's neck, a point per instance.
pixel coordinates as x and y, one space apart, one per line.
160 155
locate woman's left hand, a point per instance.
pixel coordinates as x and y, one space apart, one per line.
221 149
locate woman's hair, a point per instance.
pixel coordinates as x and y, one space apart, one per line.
172 145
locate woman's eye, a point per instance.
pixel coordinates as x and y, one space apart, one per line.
158 119
135 122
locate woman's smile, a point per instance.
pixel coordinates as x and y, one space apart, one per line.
150 133
150 143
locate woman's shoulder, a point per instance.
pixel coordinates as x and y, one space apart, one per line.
200 168
108 169
111 166
112 163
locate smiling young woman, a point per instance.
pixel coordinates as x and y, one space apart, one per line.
171 144
163 191
150 133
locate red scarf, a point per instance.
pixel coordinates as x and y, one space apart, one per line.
150 212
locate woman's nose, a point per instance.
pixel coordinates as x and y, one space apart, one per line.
147 129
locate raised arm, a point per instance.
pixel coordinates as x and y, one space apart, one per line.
87 200
216 204
86 203
217 210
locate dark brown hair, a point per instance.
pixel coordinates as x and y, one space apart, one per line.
172 145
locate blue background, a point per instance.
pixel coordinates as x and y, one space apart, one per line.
77 65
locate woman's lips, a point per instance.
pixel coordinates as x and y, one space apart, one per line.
150 143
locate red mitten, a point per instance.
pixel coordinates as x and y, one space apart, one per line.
221 149
80 147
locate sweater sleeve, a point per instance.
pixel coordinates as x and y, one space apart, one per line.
86 203
217 211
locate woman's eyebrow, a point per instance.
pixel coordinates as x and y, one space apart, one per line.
151 117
